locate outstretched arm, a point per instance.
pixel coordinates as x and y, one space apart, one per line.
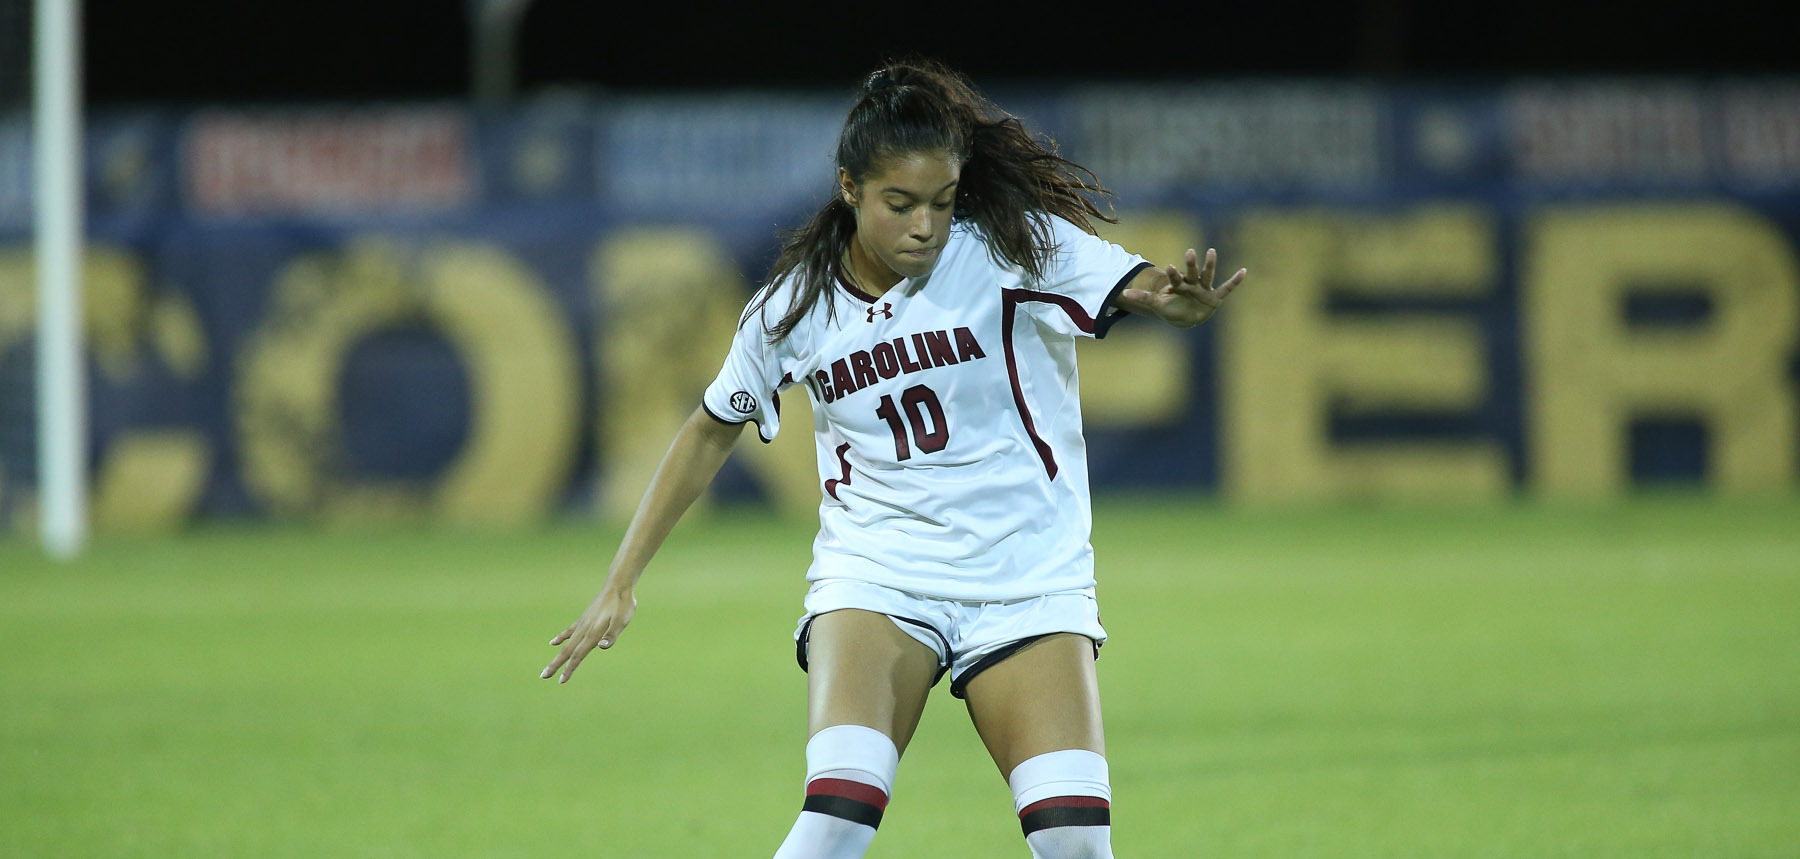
1182 299
694 458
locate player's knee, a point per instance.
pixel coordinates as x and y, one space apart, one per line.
865 751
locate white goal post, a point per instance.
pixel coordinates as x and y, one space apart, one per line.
62 379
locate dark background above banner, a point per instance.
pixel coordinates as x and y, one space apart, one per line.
212 51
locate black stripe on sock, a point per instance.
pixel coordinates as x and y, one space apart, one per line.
846 809
1050 818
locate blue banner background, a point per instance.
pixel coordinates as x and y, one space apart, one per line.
553 183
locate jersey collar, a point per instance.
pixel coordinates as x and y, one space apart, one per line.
853 289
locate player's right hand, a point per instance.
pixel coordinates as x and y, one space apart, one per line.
599 626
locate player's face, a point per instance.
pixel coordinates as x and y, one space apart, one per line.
902 214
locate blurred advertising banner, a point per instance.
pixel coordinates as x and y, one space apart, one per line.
15 173
421 312
1252 136
322 164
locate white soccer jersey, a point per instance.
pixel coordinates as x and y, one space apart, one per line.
947 418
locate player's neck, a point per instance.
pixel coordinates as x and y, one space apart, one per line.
868 273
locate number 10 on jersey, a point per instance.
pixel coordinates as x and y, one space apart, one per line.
918 403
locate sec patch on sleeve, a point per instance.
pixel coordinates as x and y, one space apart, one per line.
743 402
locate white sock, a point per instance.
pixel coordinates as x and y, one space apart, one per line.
849 775
1064 801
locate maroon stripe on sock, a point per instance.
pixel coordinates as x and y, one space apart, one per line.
860 813
854 790
1060 811
1065 802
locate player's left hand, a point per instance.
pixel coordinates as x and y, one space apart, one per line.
1185 298
598 627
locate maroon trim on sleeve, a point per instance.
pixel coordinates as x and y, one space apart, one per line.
775 395
715 416
1010 299
731 423
1110 313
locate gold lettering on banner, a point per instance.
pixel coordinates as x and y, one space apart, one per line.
1286 363
513 340
667 301
145 479
150 480
1591 373
1143 375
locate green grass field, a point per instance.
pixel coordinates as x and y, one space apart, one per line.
1516 681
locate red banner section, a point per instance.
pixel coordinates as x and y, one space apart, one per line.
378 161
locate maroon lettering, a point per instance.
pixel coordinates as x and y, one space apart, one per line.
917 400
907 364
933 441
918 344
906 354
865 371
885 363
937 344
966 347
887 412
840 376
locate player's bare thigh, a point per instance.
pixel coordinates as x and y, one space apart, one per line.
1044 698
862 670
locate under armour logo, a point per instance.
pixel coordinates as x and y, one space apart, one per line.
886 310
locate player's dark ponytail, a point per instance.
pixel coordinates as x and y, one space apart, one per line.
1010 180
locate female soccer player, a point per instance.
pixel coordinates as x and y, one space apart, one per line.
930 311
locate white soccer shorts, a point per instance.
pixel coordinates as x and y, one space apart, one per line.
968 637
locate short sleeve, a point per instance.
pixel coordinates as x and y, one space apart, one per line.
748 385
1087 273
